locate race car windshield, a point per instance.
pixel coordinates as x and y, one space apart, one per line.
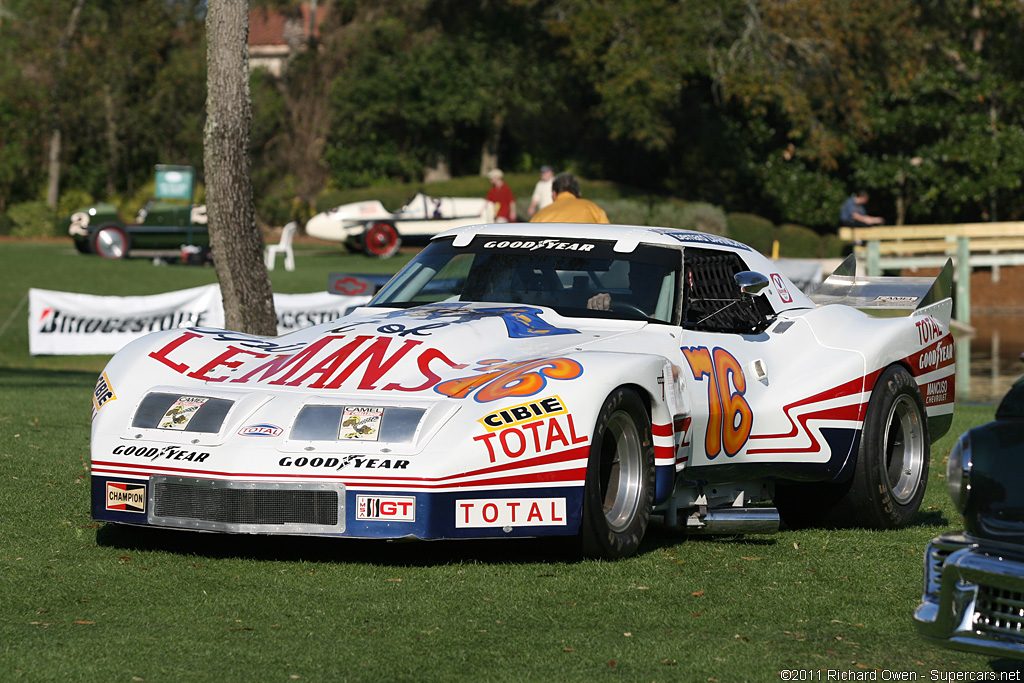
574 277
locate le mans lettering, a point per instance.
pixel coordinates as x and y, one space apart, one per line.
328 363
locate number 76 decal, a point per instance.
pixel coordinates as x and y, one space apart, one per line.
729 416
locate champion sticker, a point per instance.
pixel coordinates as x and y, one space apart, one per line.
126 497
181 413
360 423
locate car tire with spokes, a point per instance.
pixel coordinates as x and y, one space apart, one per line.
381 240
111 241
619 491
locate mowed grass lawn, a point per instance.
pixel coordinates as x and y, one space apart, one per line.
82 601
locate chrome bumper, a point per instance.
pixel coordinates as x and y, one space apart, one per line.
973 598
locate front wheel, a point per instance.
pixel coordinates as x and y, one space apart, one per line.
890 473
381 240
619 491
110 241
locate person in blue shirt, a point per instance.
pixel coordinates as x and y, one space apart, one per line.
853 214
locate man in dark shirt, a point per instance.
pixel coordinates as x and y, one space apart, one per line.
853 215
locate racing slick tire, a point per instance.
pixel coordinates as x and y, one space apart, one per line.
891 469
619 492
381 240
110 241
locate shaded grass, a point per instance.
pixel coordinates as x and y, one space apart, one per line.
82 601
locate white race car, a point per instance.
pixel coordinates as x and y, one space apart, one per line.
369 227
543 380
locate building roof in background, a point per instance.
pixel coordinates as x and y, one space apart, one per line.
268 27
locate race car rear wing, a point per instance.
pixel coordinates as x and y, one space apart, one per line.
883 293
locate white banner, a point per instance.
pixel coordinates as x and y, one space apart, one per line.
64 323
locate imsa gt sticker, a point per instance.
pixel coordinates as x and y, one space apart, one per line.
386 508
181 413
126 497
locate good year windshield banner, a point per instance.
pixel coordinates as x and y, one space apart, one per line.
66 323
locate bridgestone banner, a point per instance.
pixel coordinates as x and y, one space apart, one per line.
65 323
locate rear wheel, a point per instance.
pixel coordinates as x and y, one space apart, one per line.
381 240
619 492
110 241
891 470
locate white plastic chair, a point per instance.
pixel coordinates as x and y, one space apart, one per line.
282 247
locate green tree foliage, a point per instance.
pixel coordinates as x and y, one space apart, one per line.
441 80
773 107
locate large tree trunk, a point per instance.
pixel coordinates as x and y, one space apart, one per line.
234 238
489 152
53 160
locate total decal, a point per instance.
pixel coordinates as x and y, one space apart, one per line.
509 512
126 496
362 362
529 429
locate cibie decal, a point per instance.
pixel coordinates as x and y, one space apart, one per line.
360 423
497 379
511 512
103 392
730 418
531 245
181 413
524 412
386 508
126 497
261 430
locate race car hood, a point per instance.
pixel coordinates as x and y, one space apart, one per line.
406 351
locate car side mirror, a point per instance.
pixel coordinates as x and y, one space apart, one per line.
750 283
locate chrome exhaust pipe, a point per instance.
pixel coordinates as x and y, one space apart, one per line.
735 520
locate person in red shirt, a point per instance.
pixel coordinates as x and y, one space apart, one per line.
501 195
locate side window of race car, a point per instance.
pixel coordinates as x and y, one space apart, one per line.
712 301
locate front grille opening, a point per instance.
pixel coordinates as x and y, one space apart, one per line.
247 507
1000 613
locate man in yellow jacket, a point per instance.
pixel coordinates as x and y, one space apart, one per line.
568 206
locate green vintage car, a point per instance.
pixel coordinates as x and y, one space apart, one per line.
161 225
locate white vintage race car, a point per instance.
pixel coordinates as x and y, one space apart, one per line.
369 227
543 380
